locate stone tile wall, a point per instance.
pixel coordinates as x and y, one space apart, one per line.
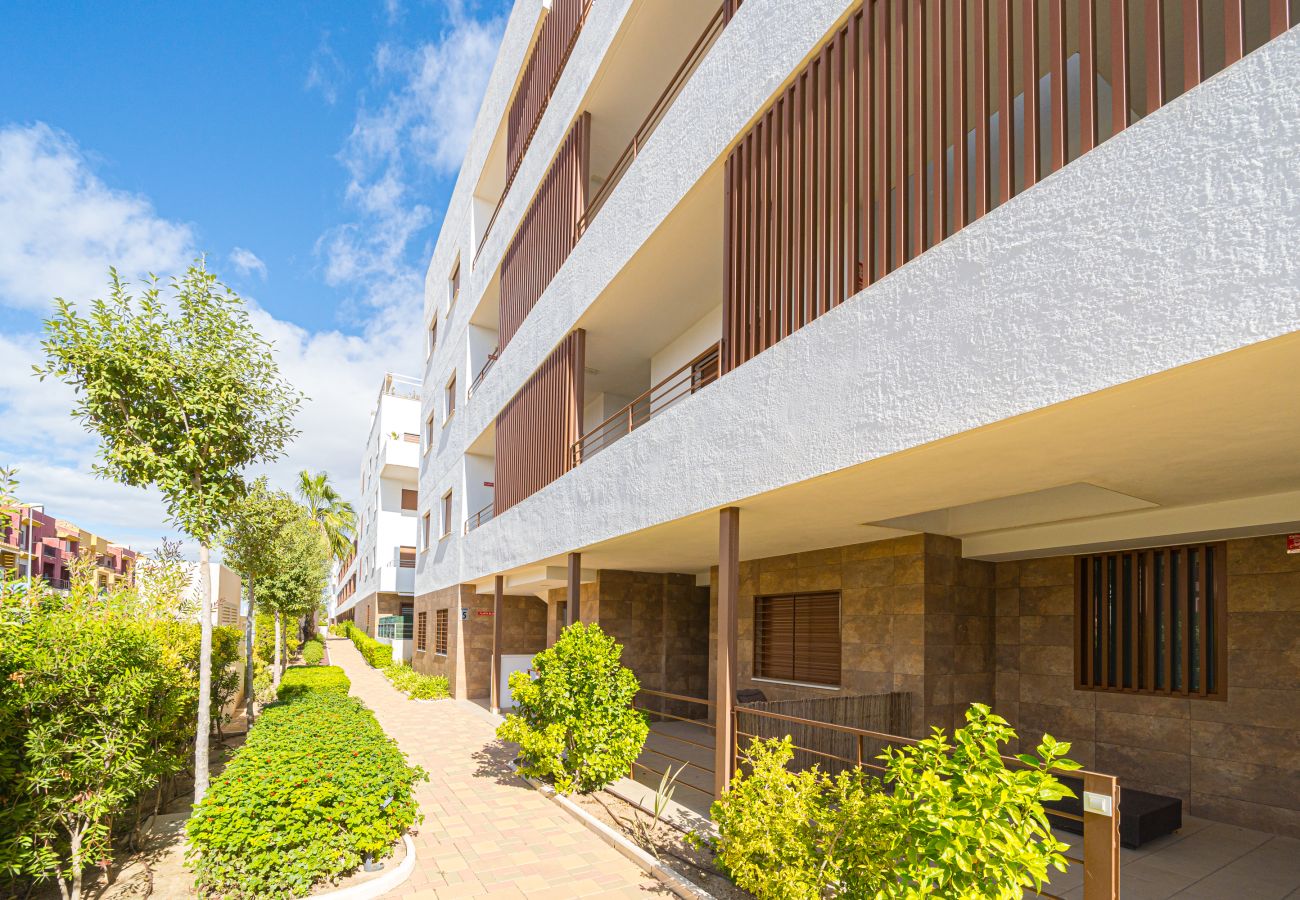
1233 760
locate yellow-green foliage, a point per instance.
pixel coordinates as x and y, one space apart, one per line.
949 820
415 685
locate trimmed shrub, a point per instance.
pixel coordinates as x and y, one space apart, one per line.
313 652
574 721
376 655
316 787
948 820
416 685
300 680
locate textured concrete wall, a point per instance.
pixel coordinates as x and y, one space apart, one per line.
1233 760
1167 244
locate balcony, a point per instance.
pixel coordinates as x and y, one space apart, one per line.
399 454
694 376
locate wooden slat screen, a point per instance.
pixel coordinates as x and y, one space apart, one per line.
440 632
422 631
797 638
894 136
410 499
547 231
545 63
536 429
1152 621
406 557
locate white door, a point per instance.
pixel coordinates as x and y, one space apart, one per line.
513 662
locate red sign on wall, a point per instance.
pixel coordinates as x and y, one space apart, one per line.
484 613
1293 543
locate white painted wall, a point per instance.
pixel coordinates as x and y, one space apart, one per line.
690 344
1070 288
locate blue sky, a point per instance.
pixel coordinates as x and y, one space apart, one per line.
308 149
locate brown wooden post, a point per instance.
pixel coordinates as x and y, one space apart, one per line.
572 610
1101 840
498 607
725 693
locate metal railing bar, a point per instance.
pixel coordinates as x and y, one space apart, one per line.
678 718
652 693
708 792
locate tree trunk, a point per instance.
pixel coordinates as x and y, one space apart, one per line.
75 848
250 633
205 681
278 640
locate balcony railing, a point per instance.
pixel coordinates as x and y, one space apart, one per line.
483 515
683 74
401 386
696 374
482 373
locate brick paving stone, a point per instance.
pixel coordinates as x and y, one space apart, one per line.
485 832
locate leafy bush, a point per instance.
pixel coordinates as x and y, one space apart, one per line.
950 820
416 685
313 652
316 786
377 655
96 708
574 722
226 654
299 680
799 835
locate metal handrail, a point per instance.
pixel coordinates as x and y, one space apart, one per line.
692 61
700 371
488 363
483 515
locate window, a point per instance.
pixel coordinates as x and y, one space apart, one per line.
446 514
797 638
406 557
433 336
410 499
453 283
421 631
410 438
428 433
440 634
451 396
426 531
1152 621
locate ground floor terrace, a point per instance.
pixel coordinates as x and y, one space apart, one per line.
1117 570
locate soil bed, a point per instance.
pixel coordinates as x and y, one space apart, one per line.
667 844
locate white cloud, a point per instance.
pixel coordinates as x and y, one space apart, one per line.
247 262
61 226
340 373
326 72
418 133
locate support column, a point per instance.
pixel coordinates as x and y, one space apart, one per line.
498 607
725 693
573 611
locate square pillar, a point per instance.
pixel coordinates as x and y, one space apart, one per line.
498 608
725 693
573 612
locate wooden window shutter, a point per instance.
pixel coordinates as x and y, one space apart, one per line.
440 635
410 499
797 638
421 631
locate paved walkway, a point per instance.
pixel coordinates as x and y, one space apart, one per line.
485 832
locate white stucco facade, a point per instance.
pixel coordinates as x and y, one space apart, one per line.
1166 246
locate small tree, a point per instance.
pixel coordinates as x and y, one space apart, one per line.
184 396
293 587
252 546
574 722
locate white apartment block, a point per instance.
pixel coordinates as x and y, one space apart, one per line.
378 580
823 349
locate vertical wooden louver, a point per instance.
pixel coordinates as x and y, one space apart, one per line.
558 34
538 426
546 234
895 135
1152 621
797 638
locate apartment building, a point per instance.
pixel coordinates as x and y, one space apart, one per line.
939 350
227 593
44 546
378 580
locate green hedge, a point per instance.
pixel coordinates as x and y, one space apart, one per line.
313 652
299 680
304 798
376 654
416 685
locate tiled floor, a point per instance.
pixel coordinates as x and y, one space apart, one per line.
485 832
1204 861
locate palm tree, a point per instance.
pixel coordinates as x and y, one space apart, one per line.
333 515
